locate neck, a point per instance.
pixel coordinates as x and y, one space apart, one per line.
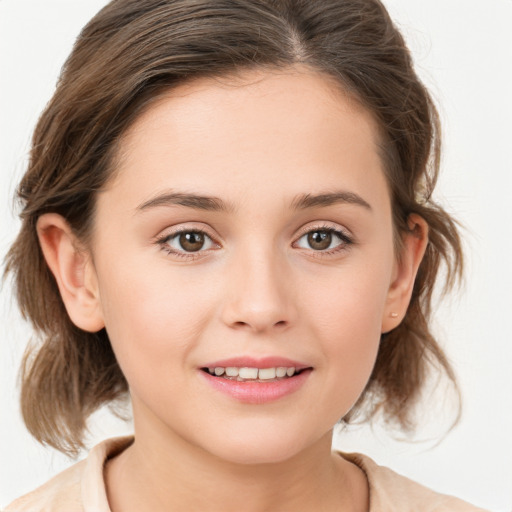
162 472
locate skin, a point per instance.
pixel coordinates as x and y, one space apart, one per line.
258 288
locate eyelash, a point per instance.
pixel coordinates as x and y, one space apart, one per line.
345 242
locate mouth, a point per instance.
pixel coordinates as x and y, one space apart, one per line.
253 381
250 374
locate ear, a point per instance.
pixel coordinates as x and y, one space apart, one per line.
404 272
73 270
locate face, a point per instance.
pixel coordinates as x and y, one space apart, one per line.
248 225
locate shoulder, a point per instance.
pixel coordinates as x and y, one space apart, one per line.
389 490
60 494
80 488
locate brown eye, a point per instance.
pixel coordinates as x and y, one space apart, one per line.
184 242
191 241
324 240
320 240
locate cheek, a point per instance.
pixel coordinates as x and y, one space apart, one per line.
346 315
350 301
151 315
349 327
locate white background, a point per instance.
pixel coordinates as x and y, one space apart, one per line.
463 51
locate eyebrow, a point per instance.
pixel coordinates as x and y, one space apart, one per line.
306 201
211 203
195 201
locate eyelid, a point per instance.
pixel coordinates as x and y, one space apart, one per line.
186 226
324 226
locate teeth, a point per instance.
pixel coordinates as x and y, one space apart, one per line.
232 372
253 373
267 373
280 372
248 373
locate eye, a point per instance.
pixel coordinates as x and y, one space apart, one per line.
191 241
324 240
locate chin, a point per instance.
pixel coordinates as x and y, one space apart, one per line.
259 447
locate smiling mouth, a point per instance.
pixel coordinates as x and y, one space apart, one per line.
245 374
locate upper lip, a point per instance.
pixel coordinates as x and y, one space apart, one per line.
257 362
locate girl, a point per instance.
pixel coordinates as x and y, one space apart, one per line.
227 215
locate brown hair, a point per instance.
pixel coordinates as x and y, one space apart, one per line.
130 53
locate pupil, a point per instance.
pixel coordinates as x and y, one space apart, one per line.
319 240
192 242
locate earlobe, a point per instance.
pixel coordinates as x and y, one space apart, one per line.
406 268
73 271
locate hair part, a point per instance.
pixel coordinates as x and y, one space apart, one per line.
131 53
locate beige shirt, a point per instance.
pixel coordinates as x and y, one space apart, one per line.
81 488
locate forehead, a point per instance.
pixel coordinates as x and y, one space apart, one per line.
291 94
294 127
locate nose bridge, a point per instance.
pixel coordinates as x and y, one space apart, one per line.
259 293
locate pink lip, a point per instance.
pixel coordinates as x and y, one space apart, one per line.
252 392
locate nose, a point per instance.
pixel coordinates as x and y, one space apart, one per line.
259 294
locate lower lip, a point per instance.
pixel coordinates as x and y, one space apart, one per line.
252 392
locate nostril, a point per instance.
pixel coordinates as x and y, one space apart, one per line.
281 323
260 327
